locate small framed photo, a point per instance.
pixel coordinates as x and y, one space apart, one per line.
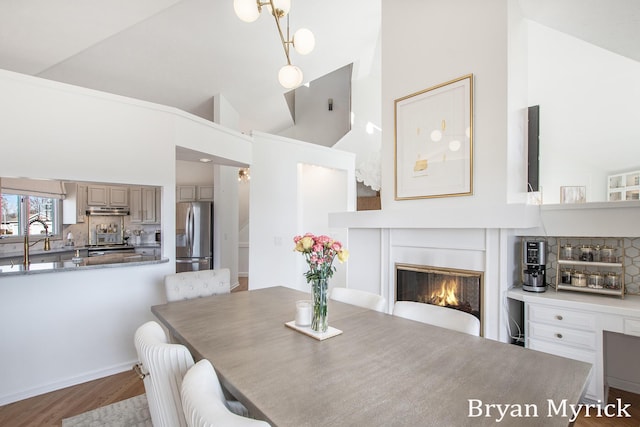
573 194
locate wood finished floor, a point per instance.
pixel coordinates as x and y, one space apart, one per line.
49 409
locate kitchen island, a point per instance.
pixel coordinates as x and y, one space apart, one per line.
106 261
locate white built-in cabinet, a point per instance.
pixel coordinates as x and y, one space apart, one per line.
624 186
144 204
566 333
573 325
74 205
193 193
107 195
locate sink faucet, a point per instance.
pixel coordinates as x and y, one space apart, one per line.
47 243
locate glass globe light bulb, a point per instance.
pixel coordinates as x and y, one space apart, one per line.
454 145
304 41
436 135
290 76
246 10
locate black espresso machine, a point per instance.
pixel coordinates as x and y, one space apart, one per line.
534 260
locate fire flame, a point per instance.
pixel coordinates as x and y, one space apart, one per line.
446 295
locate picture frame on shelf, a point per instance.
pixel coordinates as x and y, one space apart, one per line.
433 144
573 194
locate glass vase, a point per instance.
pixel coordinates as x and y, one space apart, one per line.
320 319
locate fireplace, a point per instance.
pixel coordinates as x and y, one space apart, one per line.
448 287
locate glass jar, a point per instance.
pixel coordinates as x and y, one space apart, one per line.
586 253
612 280
566 252
596 253
607 254
595 280
566 276
579 279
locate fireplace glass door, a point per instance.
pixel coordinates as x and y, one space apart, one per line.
451 288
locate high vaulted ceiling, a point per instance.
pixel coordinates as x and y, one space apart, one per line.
181 53
612 25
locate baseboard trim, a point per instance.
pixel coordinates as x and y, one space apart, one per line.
58 385
623 385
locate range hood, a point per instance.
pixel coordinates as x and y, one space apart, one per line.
104 210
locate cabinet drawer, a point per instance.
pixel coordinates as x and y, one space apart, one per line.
570 353
564 336
632 327
562 317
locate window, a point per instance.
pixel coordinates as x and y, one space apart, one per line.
19 212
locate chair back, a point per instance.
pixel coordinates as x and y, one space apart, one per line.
203 401
164 365
438 316
360 298
196 284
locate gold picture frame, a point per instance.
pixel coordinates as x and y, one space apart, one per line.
434 141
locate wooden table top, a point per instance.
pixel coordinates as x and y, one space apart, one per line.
382 370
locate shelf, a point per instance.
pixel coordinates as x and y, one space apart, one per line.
616 292
609 266
587 263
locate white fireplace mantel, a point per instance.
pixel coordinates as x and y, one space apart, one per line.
614 219
434 216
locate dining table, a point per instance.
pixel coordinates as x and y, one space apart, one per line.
381 370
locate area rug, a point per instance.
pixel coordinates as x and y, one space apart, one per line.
132 412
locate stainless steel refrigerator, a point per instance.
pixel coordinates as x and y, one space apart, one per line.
194 236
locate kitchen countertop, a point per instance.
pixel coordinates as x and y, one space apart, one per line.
106 261
65 249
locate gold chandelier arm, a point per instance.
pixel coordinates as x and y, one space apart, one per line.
285 42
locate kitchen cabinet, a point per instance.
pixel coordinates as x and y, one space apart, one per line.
74 205
118 197
105 195
193 193
205 193
97 195
186 193
144 205
624 186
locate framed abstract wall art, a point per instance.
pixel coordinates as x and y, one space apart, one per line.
434 141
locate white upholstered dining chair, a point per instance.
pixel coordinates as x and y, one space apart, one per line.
162 366
195 284
360 298
203 401
438 316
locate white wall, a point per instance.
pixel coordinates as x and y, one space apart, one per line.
226 217
322 190
454 38
70 327
588 112
274 206
517 123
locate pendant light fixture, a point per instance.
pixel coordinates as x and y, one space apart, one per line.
302 41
